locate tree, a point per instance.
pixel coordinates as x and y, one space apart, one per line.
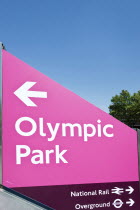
126 107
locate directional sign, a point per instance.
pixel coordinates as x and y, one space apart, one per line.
59 149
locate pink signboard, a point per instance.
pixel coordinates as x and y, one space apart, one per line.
61 150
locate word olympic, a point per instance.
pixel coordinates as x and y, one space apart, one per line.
50 132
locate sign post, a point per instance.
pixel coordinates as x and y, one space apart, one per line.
61 151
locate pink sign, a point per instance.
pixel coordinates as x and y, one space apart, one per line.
51 136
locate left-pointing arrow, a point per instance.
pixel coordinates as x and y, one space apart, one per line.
24 94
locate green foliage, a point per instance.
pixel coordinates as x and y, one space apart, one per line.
126 107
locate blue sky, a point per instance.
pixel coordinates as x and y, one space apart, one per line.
92 47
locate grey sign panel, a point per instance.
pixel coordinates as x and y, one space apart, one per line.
9 201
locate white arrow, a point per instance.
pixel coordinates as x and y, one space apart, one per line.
24 94
130 202
130 190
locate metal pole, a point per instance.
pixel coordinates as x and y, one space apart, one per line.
1 47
